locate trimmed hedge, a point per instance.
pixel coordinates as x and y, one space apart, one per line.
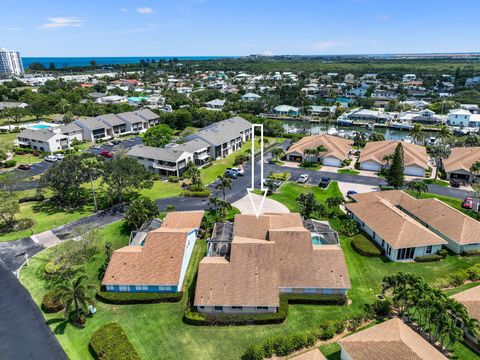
443 253
475 252
197 318
428 258
110 342
52 303
127 298
365 246
38 197
9 163
189 193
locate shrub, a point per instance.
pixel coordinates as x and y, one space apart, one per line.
51 302
339 327
458 277
346 162
474 272
128 298
365 246
51 268
207 165
327 332
475 252
254 352
110 342
9 163
155 177
428 258
443 253
173 179
382 308
202 193
348 227
38 197
241 159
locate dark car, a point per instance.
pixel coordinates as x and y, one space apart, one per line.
116 142
455 183
324 182
24 167
106 154
350 193
230 174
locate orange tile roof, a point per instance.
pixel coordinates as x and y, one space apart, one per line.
337 147
314 354
471 299
159 261
412 154
461 158
392 339
267 253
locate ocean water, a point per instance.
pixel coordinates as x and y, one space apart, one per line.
85 61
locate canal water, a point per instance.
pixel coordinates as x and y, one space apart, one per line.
318 129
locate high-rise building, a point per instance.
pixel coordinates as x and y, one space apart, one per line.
10 62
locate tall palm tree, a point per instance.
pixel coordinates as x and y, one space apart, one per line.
417 133
310 153
75 294
418 187
444 134
277 153
475 170
334 203
360 139
224 207
91 166
223 184
439 153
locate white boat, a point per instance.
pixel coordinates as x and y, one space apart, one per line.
408 139
403 125
370 126
342 133
332 131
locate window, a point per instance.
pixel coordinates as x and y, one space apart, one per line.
310 290
201 307
236 307
429 249
287 290
218 308
123 288
262 308
383 243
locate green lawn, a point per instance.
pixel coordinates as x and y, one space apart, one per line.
348 171
6 139
436 182
331 351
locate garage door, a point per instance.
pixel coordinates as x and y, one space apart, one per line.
371 166
328 161
414 171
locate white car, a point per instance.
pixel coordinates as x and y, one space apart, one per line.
303 178
239 171
59 156
50 158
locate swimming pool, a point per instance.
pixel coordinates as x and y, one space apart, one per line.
40 126
318 240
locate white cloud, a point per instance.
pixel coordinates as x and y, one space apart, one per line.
144 10
123 9
267 53
327 44
59 22
383 17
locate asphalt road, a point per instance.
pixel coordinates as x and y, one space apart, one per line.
23 332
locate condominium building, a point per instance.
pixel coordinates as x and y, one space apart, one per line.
10 62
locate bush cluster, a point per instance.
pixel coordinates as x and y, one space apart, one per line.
173 179
348 227
129 298
202 193
9 163
428 258
443 253
365 246
51 302
37 197
474 272
241 159
110 342
475 252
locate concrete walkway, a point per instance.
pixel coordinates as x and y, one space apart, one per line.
269 205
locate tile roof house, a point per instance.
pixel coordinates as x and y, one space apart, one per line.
338 149
160 262
392 339
314 354
269 255
415 156
458 164
426 217
470 298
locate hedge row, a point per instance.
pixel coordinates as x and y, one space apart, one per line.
284 345
365 246
110 342
471 253
428 258
189 193
197 318
129 298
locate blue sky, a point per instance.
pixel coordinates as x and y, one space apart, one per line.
237 27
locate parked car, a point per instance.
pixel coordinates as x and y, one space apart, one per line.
350 193
116 142
324 182
24 167
238 170
455 183
230 174
303 178
96 147
59 156
467 203
106 154
50 158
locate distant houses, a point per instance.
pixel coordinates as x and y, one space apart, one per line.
216 104
374 157
405 227
156 260
336 150
264 257
286 110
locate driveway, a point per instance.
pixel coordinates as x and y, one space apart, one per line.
23 331
269 205
359 188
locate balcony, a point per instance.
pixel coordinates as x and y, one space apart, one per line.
157 165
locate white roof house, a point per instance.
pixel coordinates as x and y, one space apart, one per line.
287 110
216 104
250 97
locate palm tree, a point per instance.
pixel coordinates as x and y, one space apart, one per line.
360 139
91 166
321 149
76 294
277 153
418 187
310 153
223 184
193 174
439 153
214 201
334 203
224 207
475 170
444 134
417 133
